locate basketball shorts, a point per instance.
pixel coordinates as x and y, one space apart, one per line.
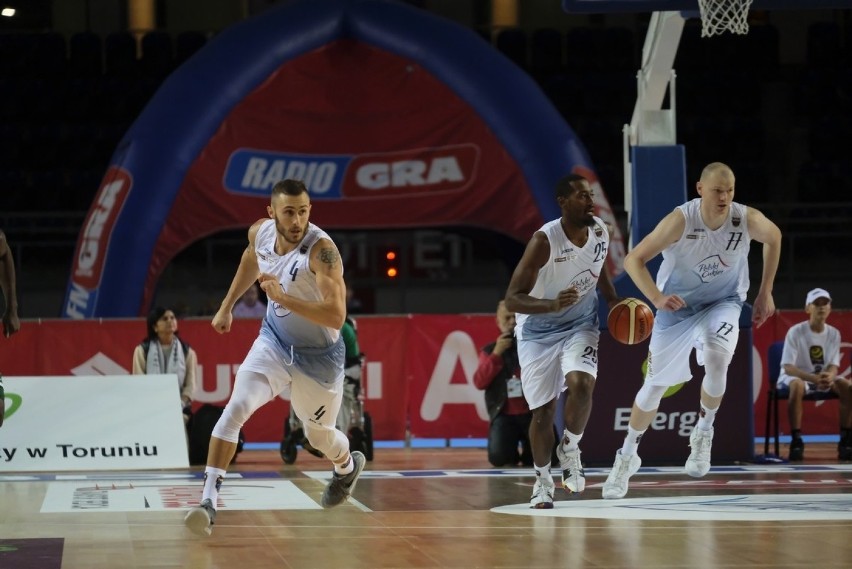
314 399
668 353
544 366
810 387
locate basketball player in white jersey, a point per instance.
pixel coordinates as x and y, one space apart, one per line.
700 289
299 348
553 292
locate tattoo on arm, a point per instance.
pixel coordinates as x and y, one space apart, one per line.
329 256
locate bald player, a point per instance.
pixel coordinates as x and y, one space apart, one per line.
699 292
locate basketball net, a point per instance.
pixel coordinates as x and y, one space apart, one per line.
718 16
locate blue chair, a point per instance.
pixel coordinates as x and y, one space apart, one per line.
773 362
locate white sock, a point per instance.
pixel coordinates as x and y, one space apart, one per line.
570 441
213 478
706 418
543 472
346 467
631 441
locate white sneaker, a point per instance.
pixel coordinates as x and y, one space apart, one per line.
698 463
624 467
573 477
542 496
201 518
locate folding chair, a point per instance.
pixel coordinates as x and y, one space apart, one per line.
773 362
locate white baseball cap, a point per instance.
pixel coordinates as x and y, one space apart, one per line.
815 294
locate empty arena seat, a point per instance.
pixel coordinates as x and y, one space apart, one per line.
48 54
824 45
85 55
187 43
546 52
815 93
512 42
618 50
828 137
157 54
565 93
822 181
120 54
582 50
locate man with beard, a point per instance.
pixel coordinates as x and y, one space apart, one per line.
299 348
553 292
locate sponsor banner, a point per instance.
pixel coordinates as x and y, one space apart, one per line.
143 495
419 372
92 423
441 380
667 439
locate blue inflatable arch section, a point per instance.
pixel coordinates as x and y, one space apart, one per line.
191 104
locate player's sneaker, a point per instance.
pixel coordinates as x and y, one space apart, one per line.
201 518
342 485
573 477
698 463
542 496
797 449
624 467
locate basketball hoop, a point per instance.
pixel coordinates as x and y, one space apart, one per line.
718 16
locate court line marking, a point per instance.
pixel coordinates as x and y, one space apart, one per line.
745 507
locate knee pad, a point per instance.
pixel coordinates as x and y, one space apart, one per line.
716 362
228 426
649 396
331 442
251 390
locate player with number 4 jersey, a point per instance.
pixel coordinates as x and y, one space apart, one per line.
699 292
554 293
299 349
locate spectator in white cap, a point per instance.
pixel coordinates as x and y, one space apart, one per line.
810 362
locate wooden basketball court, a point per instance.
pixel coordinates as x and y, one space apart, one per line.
432 508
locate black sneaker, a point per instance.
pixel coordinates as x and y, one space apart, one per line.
200 519
342 485
797 449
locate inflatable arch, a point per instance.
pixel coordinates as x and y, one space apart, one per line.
394 117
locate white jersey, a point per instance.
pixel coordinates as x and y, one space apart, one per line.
808 350
706 265
293 272
568 265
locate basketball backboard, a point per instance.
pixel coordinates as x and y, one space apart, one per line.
631 6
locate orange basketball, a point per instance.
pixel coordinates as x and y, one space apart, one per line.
630 321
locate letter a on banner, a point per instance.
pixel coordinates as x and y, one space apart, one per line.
458 347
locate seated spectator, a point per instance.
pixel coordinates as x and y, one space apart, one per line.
162 351
249 305
809 362
499 374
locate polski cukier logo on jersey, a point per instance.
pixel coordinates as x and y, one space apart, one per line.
710 268
584 282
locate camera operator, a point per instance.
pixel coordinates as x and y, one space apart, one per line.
499 374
